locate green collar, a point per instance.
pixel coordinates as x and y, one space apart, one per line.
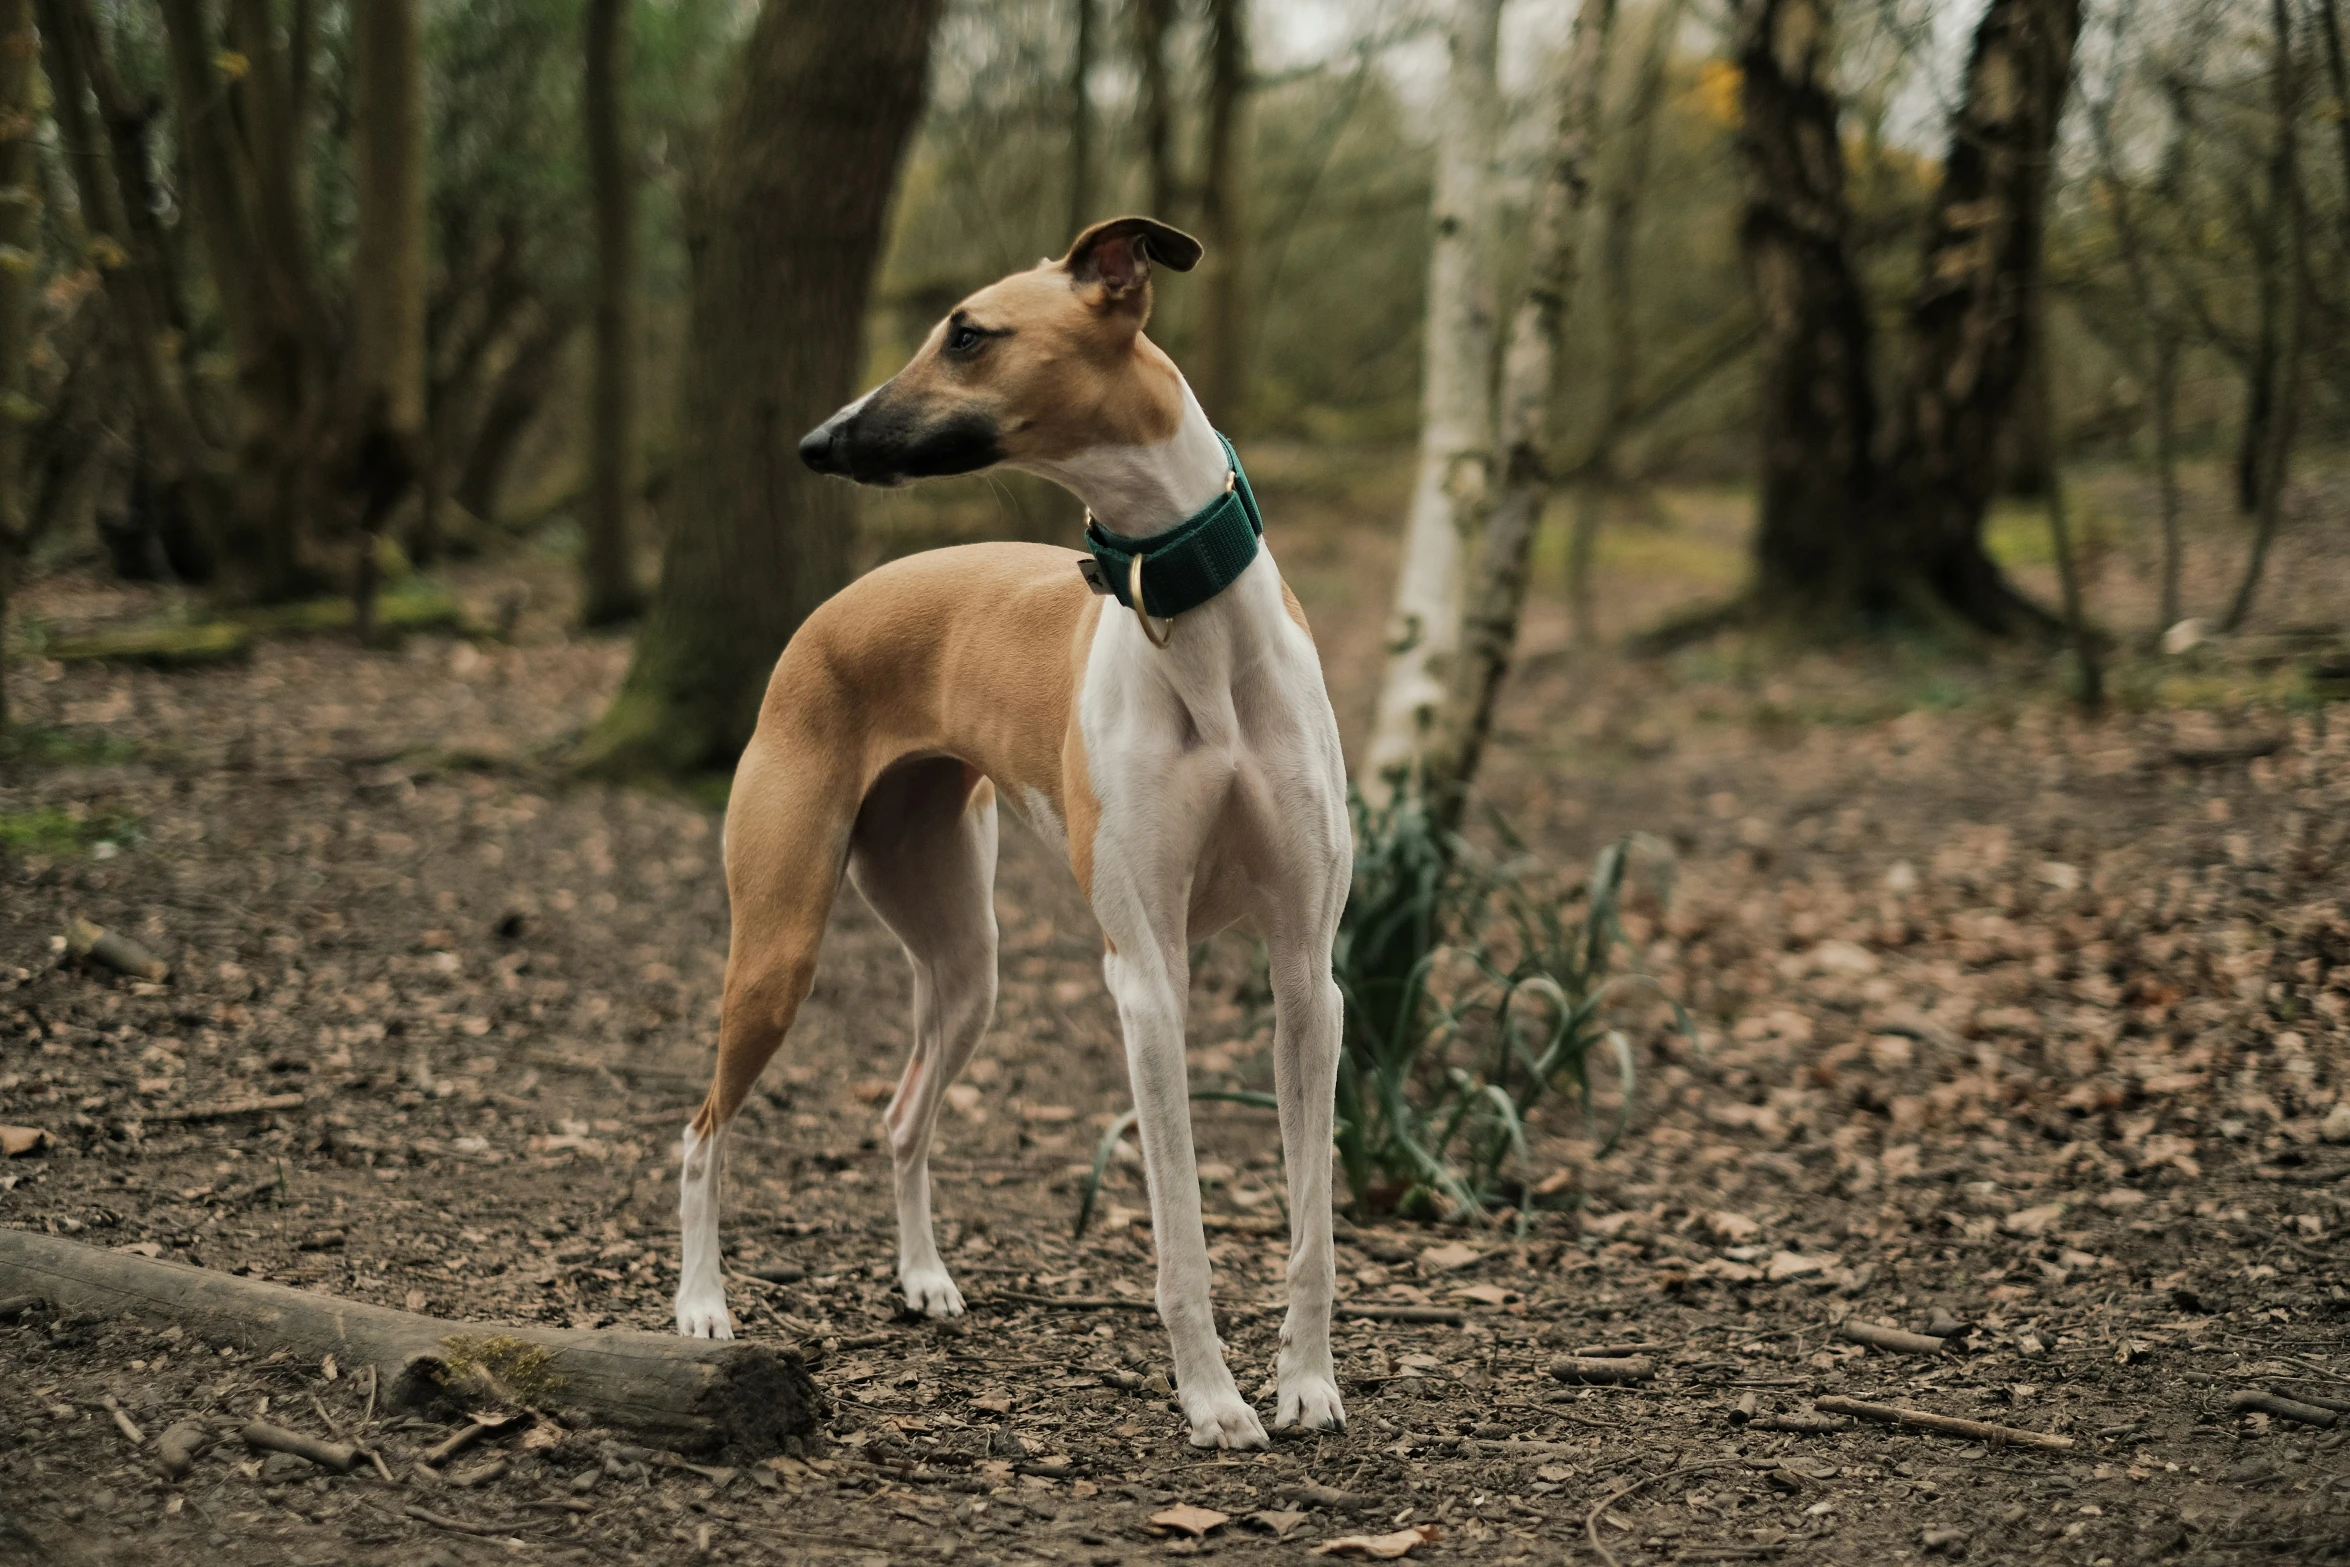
1191 562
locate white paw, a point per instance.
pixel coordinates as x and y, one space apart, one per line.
930 1293
702 1314
1310 1402
1223 1419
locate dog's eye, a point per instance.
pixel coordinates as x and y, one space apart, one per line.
963 337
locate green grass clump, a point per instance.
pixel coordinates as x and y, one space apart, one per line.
52 831
1474 990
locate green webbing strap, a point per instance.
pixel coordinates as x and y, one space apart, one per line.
1191 562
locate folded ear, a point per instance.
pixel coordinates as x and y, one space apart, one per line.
1117 254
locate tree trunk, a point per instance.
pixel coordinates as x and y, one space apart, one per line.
1081 121
784 232
1815 541
384 381
1455 481
1970 323
20 218
185 472
1223 379
1155 104
2040 408
1617 324
614 482
515 399
2287 198
233 132
1496 590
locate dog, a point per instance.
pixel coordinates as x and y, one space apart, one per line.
1189 766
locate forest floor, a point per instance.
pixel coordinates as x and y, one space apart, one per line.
2030 1019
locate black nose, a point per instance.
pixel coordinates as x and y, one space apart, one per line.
819 450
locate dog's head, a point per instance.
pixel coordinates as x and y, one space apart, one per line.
1035 367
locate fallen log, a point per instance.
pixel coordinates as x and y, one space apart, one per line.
693 1395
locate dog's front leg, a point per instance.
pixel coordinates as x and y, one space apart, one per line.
1148 976
1305 1076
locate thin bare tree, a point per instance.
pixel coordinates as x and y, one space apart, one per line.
1223 340
1496 587
20 216
615 481
1455 482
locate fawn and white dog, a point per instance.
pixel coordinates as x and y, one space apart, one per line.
1191 768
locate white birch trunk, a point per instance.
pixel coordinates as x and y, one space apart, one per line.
1455 480
1493 588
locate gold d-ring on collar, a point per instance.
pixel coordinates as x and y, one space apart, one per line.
1134 576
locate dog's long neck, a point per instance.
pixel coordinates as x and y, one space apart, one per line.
1137 491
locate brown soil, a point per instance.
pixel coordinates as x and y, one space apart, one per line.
2031 1020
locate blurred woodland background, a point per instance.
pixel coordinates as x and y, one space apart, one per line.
303 300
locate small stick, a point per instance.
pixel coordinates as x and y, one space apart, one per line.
2339 1406
381 1467
1948 1425
338 1456
1076 1302
1586 1368
454 1443
113 949
1893 1339
438 1521
367 1416
1806 1425
1441 1316
2283 1409
1591 1519
331 1423
123 1422
227 1110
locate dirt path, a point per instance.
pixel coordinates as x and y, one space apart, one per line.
2035 1024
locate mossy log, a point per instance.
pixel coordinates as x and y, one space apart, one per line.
180 645
691 1395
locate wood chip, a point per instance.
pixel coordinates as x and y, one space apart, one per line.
1183 1518
1381 1547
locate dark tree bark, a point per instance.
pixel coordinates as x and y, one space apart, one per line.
1081 121
784 231
1970 323
614 485
1223 347
384 380
1818 555
514 400
20 216
1153 21
2288 207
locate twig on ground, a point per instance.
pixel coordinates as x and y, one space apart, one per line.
1892 1339
2283 1409
113 950
1441 1316
1948 1425
123 1422
1804 1425
332 1424
1588 1368
1591 1519
1074 1302
338 1456
226 1110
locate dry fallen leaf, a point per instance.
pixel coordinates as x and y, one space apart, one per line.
1486 1294
17 1141
1194 1521
1445 1258
1277 1524
1384 1547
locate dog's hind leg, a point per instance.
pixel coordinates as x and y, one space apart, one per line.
787 835
924 856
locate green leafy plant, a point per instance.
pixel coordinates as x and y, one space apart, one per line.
1474 990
